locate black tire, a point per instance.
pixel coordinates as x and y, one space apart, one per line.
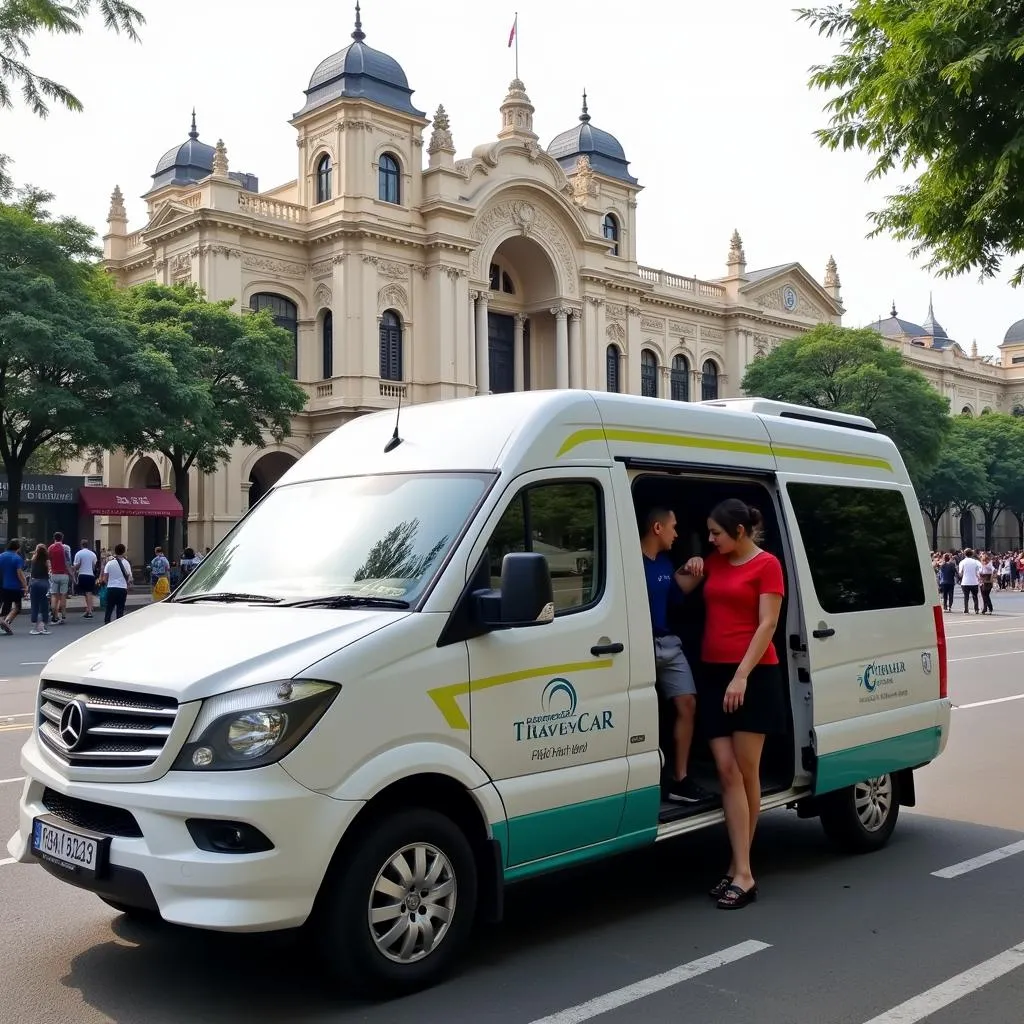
340 929
132 913
853 829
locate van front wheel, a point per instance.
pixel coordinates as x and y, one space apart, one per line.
399 909
861 818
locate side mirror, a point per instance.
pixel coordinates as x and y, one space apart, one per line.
525 598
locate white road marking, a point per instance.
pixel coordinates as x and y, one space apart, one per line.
985 703
655 983
35 663
4 782
979 657
992 857
968 636
923 1006
7 860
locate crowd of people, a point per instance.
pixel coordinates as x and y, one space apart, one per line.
977 573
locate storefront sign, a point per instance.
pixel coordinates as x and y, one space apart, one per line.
51 490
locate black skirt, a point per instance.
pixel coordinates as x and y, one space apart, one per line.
764 705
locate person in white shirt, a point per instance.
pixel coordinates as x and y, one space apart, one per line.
85 569
970 579
117 575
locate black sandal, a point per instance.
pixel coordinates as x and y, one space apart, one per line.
734 897
720 889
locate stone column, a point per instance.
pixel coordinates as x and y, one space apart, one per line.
517 353
483 364
471 336
575 351
561 315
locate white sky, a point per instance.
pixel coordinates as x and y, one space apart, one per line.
708 99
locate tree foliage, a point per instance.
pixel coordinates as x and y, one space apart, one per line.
936 87
20 21
854 371
215 376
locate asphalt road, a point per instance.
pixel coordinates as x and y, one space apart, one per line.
928 930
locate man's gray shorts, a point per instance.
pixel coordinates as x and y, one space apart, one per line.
671 667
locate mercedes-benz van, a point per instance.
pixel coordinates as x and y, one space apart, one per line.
420 670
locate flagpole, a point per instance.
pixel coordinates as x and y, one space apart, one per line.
517 43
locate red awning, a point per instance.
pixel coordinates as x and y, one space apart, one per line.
129 501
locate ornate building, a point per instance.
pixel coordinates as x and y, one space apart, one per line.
513 267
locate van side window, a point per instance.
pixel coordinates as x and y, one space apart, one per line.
861 547
564 523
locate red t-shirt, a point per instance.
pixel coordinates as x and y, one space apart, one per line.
732 594
58 559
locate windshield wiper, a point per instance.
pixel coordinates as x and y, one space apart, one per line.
228 597
349 601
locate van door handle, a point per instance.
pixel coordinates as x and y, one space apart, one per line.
598 649
823 634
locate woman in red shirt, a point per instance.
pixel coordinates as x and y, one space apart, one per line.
741 695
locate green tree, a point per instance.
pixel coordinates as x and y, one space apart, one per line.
958 480
20 20
216 379
69 367
395 556
854 371
933 87
1000 439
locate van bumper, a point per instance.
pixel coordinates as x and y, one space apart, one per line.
164 869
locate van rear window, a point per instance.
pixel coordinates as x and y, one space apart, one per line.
861 547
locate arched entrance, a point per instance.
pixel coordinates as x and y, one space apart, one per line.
145 532
266 472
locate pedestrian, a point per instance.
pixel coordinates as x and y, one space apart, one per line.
986 574
741 695
117 578
970 580
85 566
947 582
12 585
60 577
159 574
188 562
39 591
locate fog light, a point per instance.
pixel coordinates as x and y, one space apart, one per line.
202 757
216 836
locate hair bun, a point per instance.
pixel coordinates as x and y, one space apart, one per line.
756 518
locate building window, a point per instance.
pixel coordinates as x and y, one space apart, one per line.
709 382
327 339
680 379
648 374
610 230
612 358
323 179
390 347
499 280
388 190
286 316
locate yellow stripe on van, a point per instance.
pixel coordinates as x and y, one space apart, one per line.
445 697
718 444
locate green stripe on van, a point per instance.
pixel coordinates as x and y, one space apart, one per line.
846 767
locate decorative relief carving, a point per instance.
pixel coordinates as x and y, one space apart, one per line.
678 328
615 333
393 296
616 311
712 334
454 273
762 345
594 300
441 137
322 268
652 323
256 262
220 250
181 263
633 310
528 219
398 271
369 257
583 184
355 125
777 300
322 295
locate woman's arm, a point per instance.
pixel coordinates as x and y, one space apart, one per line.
691 575
768 608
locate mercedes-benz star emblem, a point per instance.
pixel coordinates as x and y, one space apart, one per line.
72 724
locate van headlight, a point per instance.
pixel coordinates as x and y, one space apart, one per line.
254 727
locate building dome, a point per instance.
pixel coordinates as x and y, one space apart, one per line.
604 151
185 164
1015 334
894 327
361 72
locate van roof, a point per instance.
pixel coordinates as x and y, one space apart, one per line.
533 429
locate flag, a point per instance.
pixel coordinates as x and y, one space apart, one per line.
512 34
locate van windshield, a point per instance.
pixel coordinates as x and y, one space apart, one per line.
367 537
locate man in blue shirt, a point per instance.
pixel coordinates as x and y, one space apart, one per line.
12 584
666 586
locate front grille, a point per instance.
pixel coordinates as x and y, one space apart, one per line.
116 728
111 821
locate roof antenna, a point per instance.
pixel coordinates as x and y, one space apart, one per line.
395 439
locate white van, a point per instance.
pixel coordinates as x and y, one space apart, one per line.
421 669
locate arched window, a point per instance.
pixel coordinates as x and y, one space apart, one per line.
612 358
648 374
966 411
390 346
323 179
680 379
327 340
388 177
610 230
286 316
500 280
709 382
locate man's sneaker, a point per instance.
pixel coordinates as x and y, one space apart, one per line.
6 627
688 792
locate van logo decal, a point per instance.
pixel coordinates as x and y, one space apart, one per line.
878 680
549 697
560 720
926 662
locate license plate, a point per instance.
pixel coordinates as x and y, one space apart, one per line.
78 849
